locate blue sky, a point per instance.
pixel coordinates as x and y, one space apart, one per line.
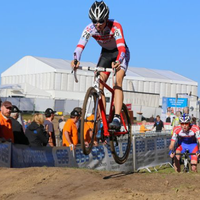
161 34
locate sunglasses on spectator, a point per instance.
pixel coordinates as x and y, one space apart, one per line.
101 21
9 108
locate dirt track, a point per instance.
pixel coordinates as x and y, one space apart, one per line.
66 183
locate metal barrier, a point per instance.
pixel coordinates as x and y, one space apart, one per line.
147 150
150 150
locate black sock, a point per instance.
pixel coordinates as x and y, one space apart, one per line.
117 116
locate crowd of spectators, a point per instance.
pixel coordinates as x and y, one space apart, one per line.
40 130
36 132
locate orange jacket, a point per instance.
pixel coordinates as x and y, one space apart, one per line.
71 128
143 129
87 127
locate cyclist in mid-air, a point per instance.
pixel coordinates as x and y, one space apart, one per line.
115 53
186 136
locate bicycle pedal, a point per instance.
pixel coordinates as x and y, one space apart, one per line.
113 131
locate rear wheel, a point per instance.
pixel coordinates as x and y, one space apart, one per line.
120 141
89 120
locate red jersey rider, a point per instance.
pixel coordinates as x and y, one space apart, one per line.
188 137
115 53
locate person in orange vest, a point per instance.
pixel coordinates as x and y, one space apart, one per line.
6 133
70 131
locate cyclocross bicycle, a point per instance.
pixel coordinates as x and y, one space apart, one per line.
93 114
186 159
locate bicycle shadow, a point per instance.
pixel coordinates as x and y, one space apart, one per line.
118 175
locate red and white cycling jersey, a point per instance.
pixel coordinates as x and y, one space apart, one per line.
110 38
189 137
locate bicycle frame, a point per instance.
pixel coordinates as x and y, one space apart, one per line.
96 85
102 109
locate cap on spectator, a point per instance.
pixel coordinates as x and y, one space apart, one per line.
78 109
75 113
7 104
49 111
15 109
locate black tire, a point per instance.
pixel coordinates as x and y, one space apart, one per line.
121 152
186 168
89 105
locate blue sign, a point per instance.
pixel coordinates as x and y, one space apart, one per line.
180 103
25 156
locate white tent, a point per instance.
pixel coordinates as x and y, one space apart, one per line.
52 78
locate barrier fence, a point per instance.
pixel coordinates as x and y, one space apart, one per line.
5 154
151 150
147 150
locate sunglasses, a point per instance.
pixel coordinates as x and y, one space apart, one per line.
101 21
185 123
9 108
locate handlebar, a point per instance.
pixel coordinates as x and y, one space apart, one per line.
97 69
185 153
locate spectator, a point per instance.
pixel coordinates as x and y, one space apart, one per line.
28 122
88 130
70 131
6 132
168 119
143 118
49 114
60 126
25 124
19 136
151 119
186 110
78 123
143 128
36 133
61 119
175 121
194 121
61 123
158 124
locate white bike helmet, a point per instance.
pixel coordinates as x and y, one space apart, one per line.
185 118
98 12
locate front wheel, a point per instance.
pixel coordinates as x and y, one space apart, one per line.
89 120
186 165
120 141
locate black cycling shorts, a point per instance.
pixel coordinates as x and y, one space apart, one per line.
107 57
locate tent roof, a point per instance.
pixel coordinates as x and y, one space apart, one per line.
25 89
31 64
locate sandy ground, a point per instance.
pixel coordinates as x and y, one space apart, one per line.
67 183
